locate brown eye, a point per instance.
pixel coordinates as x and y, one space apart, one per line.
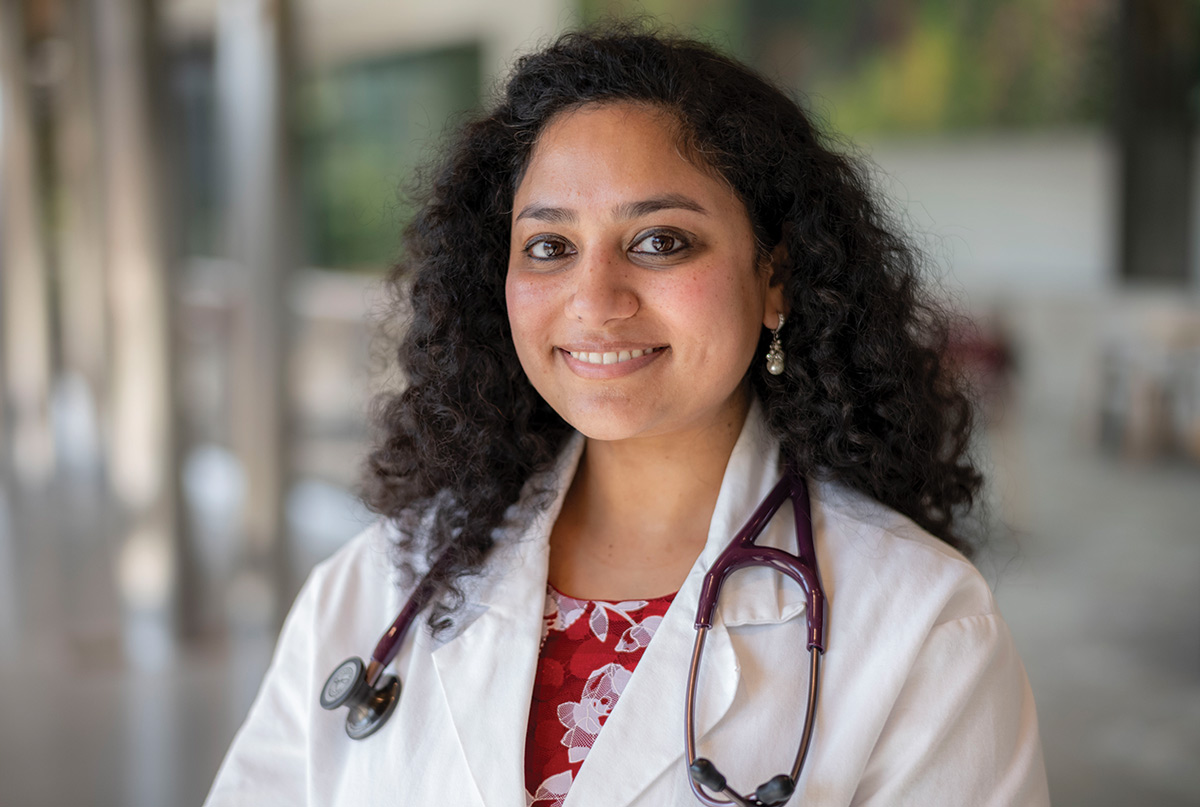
660 244
546 249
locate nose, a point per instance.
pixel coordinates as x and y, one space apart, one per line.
604 289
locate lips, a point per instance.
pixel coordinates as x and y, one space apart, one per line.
610 356
600 365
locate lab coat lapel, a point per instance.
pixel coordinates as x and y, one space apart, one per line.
643 738
487 669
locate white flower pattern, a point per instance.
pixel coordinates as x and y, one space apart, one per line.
639 634
601 609
582 720
562 611
552 791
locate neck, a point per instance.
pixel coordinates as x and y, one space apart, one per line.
637 513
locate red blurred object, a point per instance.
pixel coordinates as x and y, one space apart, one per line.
982 352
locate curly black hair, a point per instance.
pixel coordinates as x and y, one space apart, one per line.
866 399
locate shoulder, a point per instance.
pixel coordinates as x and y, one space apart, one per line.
340 610
883 559
360 581
369 554
925 664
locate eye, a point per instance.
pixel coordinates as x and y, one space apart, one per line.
659 243
544 248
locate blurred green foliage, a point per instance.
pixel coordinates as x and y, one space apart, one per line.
916 66
364 128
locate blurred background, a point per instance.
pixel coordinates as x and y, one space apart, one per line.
198 199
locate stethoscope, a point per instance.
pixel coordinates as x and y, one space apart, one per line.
371 697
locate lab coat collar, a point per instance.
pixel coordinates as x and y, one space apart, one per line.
754 596
643 737
500 626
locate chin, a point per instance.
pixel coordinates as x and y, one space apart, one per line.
609 430
606 421
605 433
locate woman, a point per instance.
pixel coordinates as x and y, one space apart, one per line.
641 290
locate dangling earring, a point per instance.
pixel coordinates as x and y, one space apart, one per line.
775 351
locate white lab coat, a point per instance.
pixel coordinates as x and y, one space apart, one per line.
923 699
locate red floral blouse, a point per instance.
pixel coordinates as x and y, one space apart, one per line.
589 651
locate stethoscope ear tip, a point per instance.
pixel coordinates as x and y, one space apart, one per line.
705 773
778 790
770 794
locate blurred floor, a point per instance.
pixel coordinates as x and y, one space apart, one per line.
1104 601
1101 581
1101 586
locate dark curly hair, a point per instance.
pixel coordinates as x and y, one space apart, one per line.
867 398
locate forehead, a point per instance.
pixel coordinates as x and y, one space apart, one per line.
614 152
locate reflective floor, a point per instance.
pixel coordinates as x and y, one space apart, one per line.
1104 601
1099 578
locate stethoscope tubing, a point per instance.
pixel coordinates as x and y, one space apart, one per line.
389 644
689 720
743 552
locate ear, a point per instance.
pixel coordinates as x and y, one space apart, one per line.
776 302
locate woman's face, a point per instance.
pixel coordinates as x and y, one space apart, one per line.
633 291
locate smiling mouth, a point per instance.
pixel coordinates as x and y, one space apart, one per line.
610 357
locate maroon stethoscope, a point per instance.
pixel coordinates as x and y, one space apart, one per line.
371 697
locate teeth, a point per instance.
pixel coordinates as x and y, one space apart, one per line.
612 357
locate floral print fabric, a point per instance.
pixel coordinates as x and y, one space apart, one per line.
589 651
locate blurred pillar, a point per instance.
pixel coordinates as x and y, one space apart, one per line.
253 55
1159 78
89 595
81 269
142 447
25 317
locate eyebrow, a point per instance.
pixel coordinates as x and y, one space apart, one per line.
627 210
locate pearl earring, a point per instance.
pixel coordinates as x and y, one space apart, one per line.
775 351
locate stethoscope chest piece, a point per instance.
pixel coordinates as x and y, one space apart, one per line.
370 706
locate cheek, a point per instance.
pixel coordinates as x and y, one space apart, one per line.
530 305
725 301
